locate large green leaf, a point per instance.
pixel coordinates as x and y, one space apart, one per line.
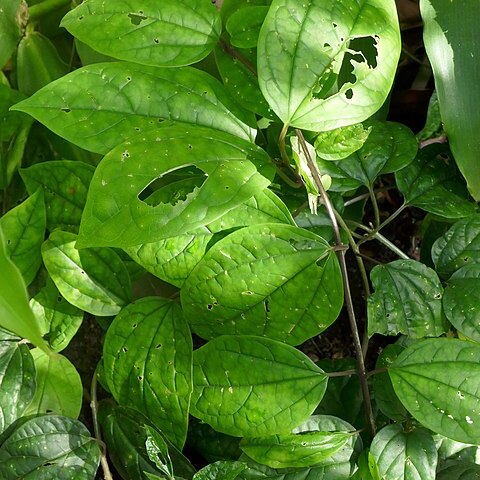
65 185
155 377
458 247
437 382
94 279
143 31
244 26
407 299
115 216
275 280
24 230
253 386
301 49
10 19
99 106
48 447
403 455
223 470
459 471
461 301
17 381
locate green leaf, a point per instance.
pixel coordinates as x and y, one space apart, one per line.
100 106
15 312
433 123
459 471
59 387
457 247
59 320
94 279
24 230
400 455
407 299
154 378
244 25
17 381
252 386
11 16
449 450
294 450
266 280
170 34
115 216
65 185
157 450
437 382
301 49
48 447
461 300
433 183
223 470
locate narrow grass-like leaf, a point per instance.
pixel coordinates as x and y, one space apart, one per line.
274 280
99 106
437 382
94 279
154 378
143 31
402 455
254 386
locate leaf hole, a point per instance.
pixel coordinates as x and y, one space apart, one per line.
437 296
158 346
137 18
465 259
140 378
209 306
349 94
81 17
266 304
156 40
387 315
65 110
125 349
334 25
134 325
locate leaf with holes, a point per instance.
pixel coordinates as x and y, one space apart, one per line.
303 48
275 280
407 299
65 185
254 386
49 446
24 230
437 382
433 183
94 279
115 216
461 300
17 381
458 247
171 34
155 379
400 455
99 106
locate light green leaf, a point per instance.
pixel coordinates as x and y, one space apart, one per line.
17 381
170 34
437 382
402 455
100 106
459 471
94 279
154 378
24 231
47 447
433 183
301 49
115 216
458 247
252 386
461 301
274 280
223 470
157 450
407 299
244 25
15 312
11 14
59 387
65 185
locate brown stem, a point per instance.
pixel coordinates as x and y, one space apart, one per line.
229 50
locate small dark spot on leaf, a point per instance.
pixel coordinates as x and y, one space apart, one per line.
158 346
129 78
189 146
125 349
226 187
134 325
59 298
65 110
437 296
266 303
334 25
80 17
140 378
137 18
137 129
326 45
209 306
465 259
49 411
387 315
349 93
9 242
156 40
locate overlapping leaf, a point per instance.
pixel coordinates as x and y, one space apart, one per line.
459 471
244 25
254 386
9 28
224 470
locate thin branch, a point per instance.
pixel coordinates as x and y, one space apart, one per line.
345 373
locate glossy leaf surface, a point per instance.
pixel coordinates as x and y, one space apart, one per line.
273 280
115 216
244 25
459 471
223 470
400 455
100 106
436 380
253 386
170 34
94 280
9 29
154 378
301 49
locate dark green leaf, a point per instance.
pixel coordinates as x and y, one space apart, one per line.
459 471
252 386
223 470
449 450
244 25
433 123
11 15
437 382
142 31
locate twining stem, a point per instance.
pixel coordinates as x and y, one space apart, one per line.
340 251
35 12
285 162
